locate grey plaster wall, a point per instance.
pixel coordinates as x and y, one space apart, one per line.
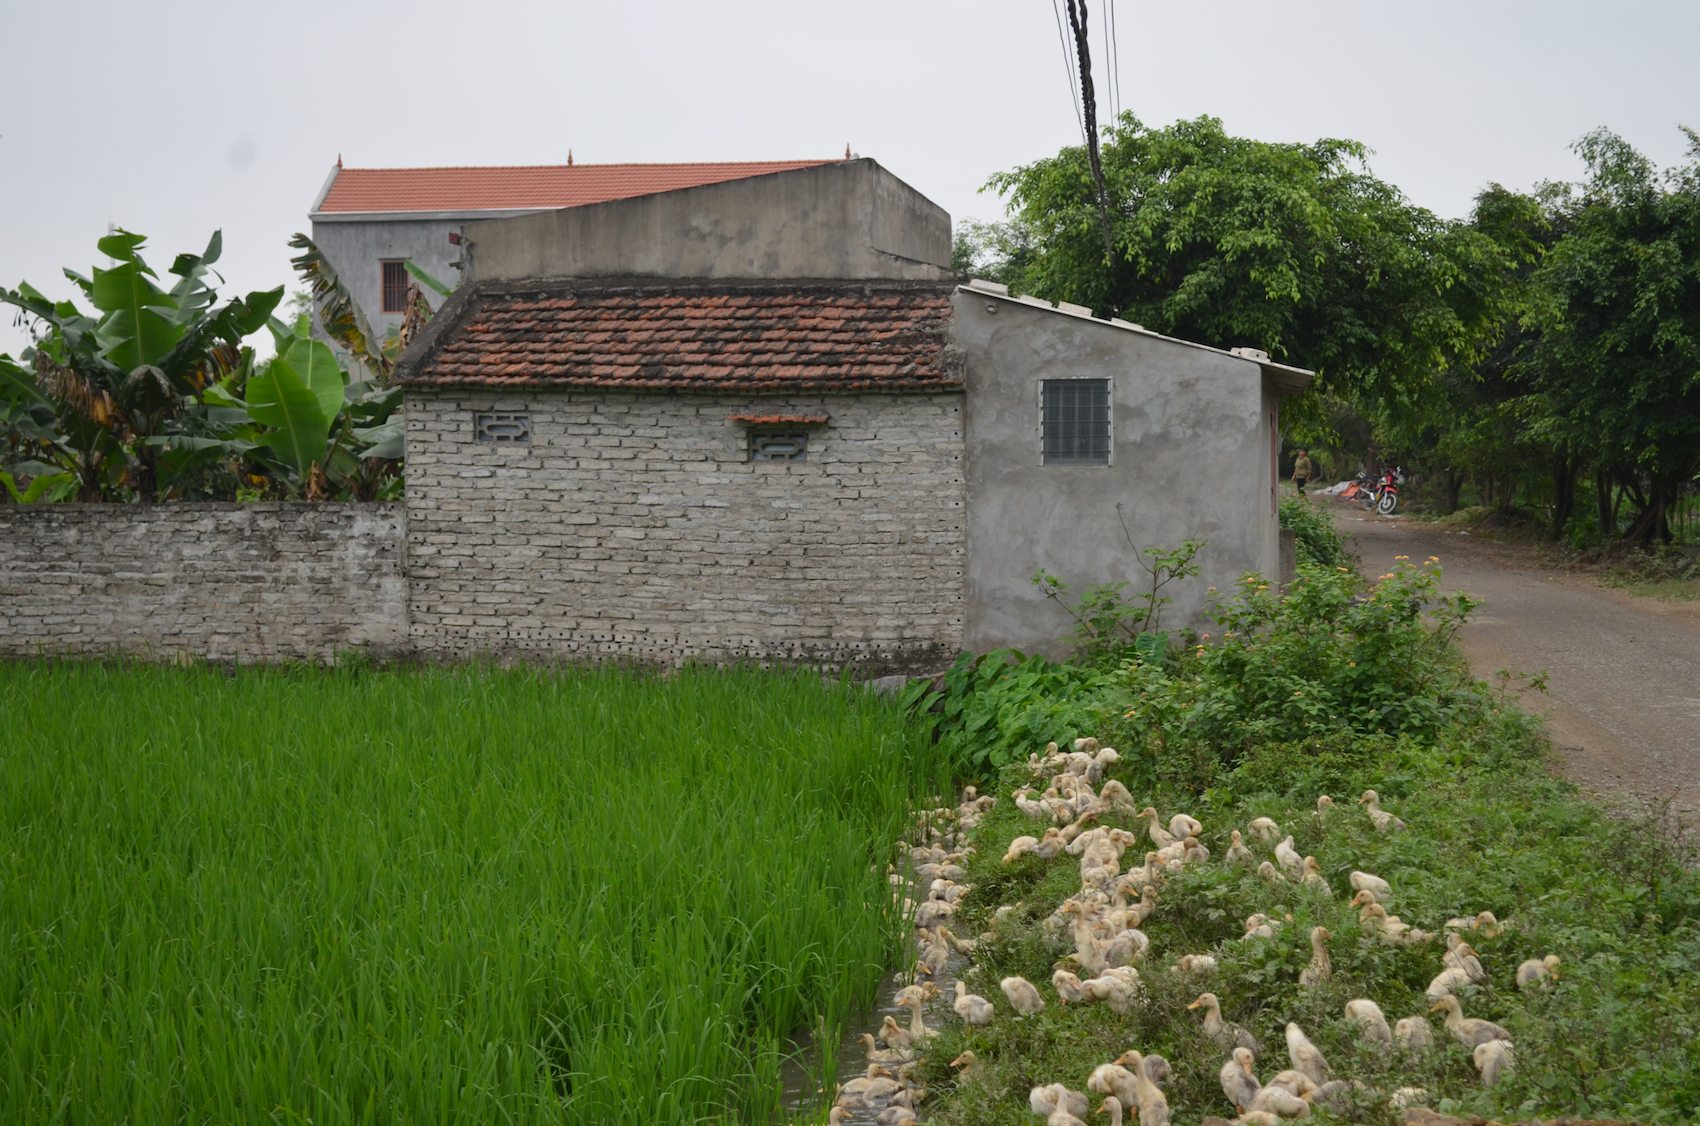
357 247
850 219
225 582
636 526
1191 458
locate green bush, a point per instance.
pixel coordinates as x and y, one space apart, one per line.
1329 656
1318 542
992 710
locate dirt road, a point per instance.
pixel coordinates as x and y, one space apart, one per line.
1624 694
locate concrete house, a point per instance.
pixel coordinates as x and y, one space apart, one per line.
369 221
764 419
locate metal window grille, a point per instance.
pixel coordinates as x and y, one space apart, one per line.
1074 421
502 427
395 286
768 446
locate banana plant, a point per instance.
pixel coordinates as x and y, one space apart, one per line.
138 363
325 432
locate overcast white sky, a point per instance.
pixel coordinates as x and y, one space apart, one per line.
173 119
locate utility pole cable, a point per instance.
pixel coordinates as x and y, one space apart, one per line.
1089 103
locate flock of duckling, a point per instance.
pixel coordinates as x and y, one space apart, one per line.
1105 918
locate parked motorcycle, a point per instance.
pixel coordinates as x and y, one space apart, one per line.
1385 495
1381 495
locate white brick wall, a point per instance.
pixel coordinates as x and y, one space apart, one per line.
225 582
636 526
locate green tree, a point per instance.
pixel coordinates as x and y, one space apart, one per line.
1293 248
1617 309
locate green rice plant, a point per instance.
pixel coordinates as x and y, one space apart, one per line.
472 895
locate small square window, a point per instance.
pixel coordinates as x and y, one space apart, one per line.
395 285
770 446
502 427
1074 421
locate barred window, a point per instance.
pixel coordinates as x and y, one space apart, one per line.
1074 421
395 285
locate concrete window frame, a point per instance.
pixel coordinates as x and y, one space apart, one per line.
1109 385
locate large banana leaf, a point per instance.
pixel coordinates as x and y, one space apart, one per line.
51 487
16 383
426 280
140 325
192 295
279 398
316 364
388 438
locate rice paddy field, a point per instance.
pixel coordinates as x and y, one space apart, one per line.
475 895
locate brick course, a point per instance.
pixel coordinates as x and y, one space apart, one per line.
636 526
225 582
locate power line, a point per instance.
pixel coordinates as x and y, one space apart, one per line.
1068 68
1115 62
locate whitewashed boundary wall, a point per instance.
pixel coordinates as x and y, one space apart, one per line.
222 582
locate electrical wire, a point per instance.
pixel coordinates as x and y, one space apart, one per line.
1115 62
1068 65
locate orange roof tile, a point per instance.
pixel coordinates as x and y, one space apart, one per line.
718 337
536 186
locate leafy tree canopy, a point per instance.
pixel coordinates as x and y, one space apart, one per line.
1616 305
1293 248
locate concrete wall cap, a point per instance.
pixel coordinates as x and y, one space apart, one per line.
1077 310
981 285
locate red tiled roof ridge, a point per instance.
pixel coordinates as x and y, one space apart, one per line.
806 163
520 187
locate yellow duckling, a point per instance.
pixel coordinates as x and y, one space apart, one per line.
1468 1031
1380 818
1538 973
1321 967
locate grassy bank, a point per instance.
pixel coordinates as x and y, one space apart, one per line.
481 896
1336 687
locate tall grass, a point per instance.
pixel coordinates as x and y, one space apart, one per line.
435 896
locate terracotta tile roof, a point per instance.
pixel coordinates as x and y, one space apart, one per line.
843 337
538 186
780 419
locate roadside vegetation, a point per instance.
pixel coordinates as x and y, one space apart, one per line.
300 895
1536 356
1336 687
1668 572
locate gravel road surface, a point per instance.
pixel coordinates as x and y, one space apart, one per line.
1624 689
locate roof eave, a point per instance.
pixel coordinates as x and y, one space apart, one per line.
467 215
1287 380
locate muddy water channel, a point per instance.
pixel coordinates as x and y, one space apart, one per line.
803 1072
